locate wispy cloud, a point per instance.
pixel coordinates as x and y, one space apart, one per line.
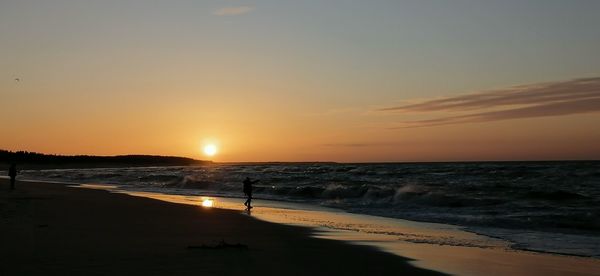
527 101
233 10
358 145
348 145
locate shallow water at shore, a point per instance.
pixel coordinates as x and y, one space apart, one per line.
434 246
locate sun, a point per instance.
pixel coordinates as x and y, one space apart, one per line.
210 149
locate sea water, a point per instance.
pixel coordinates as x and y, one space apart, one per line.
541 206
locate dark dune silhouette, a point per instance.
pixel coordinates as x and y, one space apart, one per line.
27 160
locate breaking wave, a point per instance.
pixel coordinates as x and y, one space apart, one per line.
552 197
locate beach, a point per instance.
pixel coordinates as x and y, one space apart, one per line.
54 229
300 138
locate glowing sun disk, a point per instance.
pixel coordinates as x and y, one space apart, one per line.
210 149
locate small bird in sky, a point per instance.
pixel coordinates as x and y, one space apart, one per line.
17 79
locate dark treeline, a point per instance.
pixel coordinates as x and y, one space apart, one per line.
27 159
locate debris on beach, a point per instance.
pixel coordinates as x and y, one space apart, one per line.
221 245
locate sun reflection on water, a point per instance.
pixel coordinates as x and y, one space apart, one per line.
207 202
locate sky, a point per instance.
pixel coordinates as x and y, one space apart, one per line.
347 81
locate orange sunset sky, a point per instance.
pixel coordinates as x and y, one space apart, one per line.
360 81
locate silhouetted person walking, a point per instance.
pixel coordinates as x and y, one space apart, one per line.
12 172
248 191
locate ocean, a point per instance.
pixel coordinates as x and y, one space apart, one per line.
541 206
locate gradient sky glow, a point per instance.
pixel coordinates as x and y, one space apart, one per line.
302 80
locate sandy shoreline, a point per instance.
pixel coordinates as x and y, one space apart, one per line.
434 246
52 229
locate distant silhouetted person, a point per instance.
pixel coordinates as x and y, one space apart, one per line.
248 192
12 172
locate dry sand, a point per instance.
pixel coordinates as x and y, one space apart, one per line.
48 229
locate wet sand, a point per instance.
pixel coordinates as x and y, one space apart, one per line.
434 246
54 229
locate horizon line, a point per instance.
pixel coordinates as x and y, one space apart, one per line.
319 161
